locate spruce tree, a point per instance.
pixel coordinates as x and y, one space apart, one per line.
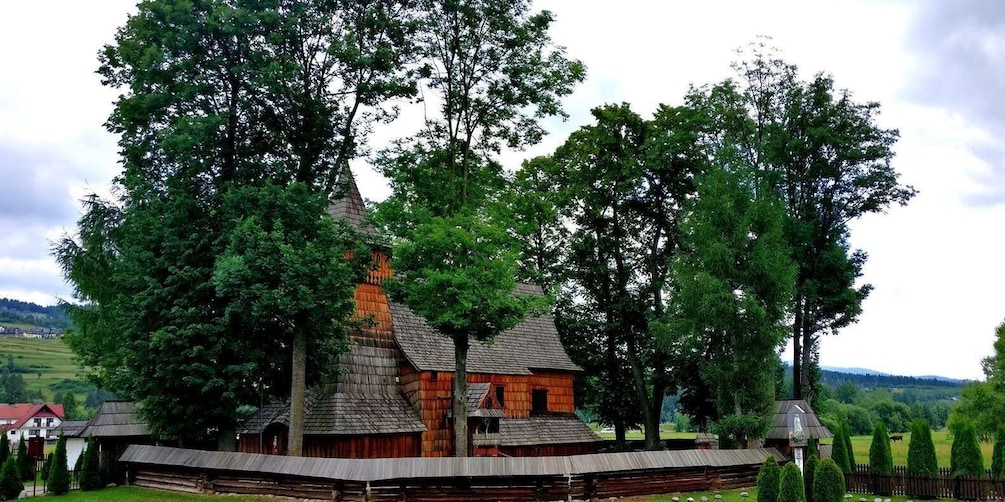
880 460
846 434
998 452
4 448
767 480
90 478
921 452
10 483
967 459
828 482
790 485
812 458
839 450
46 467
58 482
23 462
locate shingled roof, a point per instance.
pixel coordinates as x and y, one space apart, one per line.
780 421
534 344
116 419
349 206
545 429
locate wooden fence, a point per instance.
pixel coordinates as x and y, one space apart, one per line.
942 485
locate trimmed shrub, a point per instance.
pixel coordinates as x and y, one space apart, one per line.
58 482
790 485
998 452
828 482
23 462
921 452
10 483
839 450
880 461
812 459
90 479
767 480
847 447
967 459
46 466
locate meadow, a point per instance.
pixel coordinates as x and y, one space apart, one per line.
48 361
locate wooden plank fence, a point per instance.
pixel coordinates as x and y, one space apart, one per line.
942 485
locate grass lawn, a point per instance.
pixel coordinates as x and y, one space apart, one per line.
735 496
134 494
943 443
52 358
666 432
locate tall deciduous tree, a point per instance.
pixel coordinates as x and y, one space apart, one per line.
983 403
491 71
217 95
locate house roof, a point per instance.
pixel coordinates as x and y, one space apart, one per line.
534 344
72 428
22 412
780 421
116 419
545 429
349 206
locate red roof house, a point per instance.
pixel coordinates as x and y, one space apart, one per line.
30 420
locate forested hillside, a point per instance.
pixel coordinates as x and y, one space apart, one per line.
835 378
19 312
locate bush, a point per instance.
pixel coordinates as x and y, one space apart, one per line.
4 448
58 482
90 478
998 452
809 468
966 457
790 486
921 452
47 466
839 450
847 448
10 483
767 480
828 482
23 463
880 457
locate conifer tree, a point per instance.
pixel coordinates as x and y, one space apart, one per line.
880 460
10 483
966 457
828 482
58 482
998 452
839 450
89 477
812 458
47 466
4 448
921 452
790 485
767 480
846 434
23 462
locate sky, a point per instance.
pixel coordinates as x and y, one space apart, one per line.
936 67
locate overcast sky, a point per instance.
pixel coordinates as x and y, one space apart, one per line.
937 68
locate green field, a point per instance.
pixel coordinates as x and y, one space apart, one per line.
52 358
943 444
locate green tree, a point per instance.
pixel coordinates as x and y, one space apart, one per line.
839 449
4 448
58 482
848 448
495 72
880 460
71 410
10 483
810 467
24 464
828 482
983 403
767 480
89 476
966 458
831 163
46 467
790 484
998 453
217 96
921 457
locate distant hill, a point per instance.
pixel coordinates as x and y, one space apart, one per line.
871 380
854 371
27 313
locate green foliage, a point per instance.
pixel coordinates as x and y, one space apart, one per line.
10 483
983 403
4 448
47 466
24 464
966 457
809 471
839 449
767 480
790 484
998 452
58 481
90 478
880 458
848 448
828 482
921 452
737 431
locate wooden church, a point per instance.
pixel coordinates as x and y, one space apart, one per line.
393 393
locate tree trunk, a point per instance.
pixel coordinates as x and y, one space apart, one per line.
653 438
808 346
460 395
621 436
643 396
226 440
797 338
297 389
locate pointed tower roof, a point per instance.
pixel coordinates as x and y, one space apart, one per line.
349 206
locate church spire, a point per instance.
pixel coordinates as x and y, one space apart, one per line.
349 205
